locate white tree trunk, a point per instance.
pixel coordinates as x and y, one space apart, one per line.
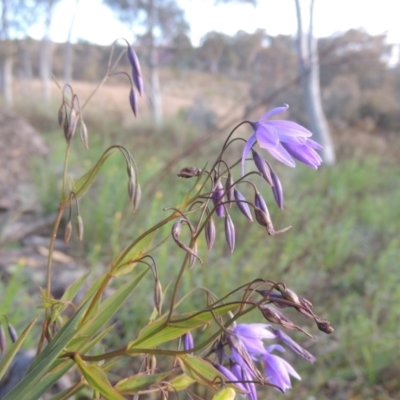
68 49
45 68
309 73
7 80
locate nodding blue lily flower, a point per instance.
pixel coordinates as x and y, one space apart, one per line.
284 140
277 370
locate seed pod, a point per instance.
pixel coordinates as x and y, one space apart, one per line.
229 189
217 197
133 102
2 340
261 217
193 256
66 129
259 202
242 205
84 134
210 233
13 333
189 172
68 232
72 124
158 297
230 233
80 228
262 167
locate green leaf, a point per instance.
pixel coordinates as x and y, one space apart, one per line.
225 394
122 263
44 361
157 333
200 370
180 382
69 393
9 356
82 185
97 379
138 382
110 306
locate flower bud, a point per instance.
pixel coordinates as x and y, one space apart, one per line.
133 102
136 70
131 189
189 172
242 205
13 333
324 326
187 340
84 134
193 257
61 114
68 232
210 233
230 233
217 197
72 124
262 167
80 228
259 202
2 340
277 189
291 296
229 189
138 196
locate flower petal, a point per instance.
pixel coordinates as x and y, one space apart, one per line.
289 128
247 149
274 111
305 154
280 153
267 135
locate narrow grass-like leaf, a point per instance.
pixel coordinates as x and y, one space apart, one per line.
138 382
10 354
44 361
155 333
97 379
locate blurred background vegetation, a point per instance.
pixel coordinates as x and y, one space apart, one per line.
344 249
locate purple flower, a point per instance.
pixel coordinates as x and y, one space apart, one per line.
284 140
251 335
277 370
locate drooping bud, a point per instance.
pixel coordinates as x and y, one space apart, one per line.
242 205
262 167
136 70
217 198
261 218
175 233
230 233
259 202
187 340
131 189
189 172
158 296
291 296
13 333
133 102
66 129
72 124
324 326
230 376
61 114
277 189
210 233
287 340
229 189
2 340
84 134
68 232
138 196
80 227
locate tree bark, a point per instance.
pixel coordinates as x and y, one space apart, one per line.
309 75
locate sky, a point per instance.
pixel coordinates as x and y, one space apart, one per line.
96 23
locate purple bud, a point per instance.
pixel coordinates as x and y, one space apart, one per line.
230 376
133 102
243 206
277 189
259 202
136 71
2 340
210 233
217 197
230 233
187 340
229 189
13 333
262 167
